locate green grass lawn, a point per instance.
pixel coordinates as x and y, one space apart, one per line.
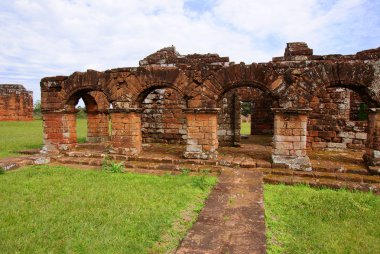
46 209
245 128
304 220
16 136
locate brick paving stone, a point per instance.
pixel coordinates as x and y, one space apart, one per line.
232 220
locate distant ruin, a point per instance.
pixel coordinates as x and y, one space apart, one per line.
16 103
306 101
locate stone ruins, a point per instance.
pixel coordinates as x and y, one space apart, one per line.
16 103
305 101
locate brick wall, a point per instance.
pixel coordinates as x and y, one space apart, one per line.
162 118
16 103
333 121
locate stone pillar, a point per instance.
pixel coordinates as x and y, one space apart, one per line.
126 135
289 138
97 126
236 119
59 130
202 138
372 155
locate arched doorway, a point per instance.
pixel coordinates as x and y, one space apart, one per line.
91 116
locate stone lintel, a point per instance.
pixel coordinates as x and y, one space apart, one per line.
201 110
294 111
125 110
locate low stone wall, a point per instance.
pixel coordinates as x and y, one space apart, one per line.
16 103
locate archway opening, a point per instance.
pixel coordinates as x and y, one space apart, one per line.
245 126
81 121
91 116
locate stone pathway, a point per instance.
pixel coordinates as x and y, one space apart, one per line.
232 220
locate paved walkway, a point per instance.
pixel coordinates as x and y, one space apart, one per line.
232 220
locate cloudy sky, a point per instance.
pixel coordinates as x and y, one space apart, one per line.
42 38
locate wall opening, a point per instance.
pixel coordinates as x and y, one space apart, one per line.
246 113
81 121
245 116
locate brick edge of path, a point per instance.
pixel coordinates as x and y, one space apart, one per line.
232 220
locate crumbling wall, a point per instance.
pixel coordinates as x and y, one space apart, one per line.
334 121
16 103
162 118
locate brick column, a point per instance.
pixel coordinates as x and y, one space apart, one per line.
289 138
59 130
202 138
372 155
126 135
97 126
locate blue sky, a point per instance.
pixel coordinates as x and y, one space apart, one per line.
42 38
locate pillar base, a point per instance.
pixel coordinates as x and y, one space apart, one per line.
293 162
201 155
372 160
97 139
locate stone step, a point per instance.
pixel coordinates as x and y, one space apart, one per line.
322 182
79 161
92 146
341 176
98 161
359 170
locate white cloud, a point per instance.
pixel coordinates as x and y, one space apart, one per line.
58 37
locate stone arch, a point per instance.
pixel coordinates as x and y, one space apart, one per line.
260 76
97 116
357 77
80 83
137 99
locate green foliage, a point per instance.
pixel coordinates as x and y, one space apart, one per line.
81 112
301 219
37 109
363 112
112 166
202 180
245 128
246 108
50 209
2 171
185 171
